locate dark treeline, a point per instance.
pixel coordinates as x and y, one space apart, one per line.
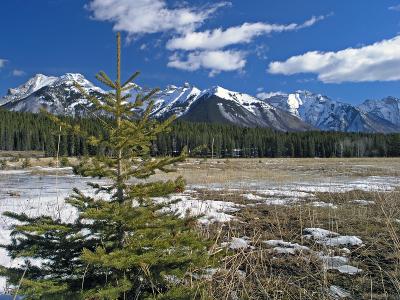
233 141
26 131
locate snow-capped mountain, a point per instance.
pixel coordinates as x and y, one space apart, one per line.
387 108
174 100
223 106
298 111
59 96
56 94
24 90
330 115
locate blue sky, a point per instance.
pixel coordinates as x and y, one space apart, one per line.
262 47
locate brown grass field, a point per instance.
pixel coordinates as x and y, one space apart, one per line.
257 270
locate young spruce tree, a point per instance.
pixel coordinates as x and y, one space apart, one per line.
125 245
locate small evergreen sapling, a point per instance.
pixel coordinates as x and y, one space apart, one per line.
124 245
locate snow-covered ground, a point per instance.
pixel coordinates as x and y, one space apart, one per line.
42 191
295 192
39 191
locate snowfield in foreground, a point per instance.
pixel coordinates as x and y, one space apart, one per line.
41 191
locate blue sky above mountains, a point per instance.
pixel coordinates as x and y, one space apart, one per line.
348 50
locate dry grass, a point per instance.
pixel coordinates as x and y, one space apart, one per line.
260 273
206 171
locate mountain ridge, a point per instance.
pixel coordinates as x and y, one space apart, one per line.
331 115
298 111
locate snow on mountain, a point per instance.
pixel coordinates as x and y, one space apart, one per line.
223 106
330 115
56 94
248 102
387 108
174 100
24 90
301 110
59 95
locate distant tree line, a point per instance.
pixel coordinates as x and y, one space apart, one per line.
26 131
232 141
36 132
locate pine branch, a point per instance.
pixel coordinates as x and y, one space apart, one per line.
103 77
130 79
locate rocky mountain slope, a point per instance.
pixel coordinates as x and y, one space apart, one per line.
224 106
56 94
297 111
331 115
59 96
387 109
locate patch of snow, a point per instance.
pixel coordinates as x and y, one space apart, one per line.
347 269
342 240
319 233
15 172
250 196
308 189
211 211
283 247
284 193
337 292
238 243
330 238
363 202
323 204
339 263
52 169
281 201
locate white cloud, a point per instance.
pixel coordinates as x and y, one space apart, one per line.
149 16
205 49
395 7
215 61
376 62
245 33
266 95
18 73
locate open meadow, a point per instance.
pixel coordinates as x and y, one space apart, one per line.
288 228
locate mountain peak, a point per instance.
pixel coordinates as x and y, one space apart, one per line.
32 85
225 93
299 110
72 76
221 92
57 94
331 115
387 108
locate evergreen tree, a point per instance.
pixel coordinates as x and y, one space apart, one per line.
125 245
